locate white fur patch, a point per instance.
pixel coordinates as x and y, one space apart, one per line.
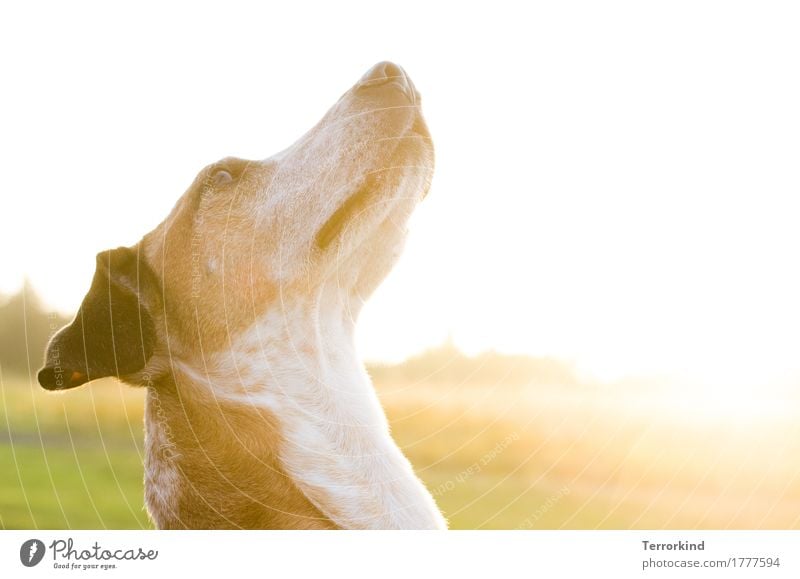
300 364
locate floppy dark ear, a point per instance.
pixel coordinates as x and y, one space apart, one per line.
113 333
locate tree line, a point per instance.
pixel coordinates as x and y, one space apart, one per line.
25 329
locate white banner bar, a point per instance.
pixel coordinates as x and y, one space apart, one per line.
496 554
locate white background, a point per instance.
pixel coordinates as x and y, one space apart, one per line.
616 184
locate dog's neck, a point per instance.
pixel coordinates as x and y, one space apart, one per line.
293 406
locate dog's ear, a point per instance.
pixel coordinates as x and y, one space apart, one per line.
113 333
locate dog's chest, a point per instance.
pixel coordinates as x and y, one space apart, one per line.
217 470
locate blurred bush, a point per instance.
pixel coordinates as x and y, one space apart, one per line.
448 364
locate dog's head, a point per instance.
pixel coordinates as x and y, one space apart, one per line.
328 212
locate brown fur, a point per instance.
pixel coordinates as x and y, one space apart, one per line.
230 475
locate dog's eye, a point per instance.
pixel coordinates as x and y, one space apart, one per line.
221 177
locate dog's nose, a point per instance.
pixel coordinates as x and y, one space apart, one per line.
389 73
383 71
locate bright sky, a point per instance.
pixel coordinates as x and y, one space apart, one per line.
617 182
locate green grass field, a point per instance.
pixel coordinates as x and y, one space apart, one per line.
71 461
493 455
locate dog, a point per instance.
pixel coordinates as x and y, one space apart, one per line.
237 313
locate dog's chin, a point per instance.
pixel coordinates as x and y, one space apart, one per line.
353 207
362 225
363 211
369 260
